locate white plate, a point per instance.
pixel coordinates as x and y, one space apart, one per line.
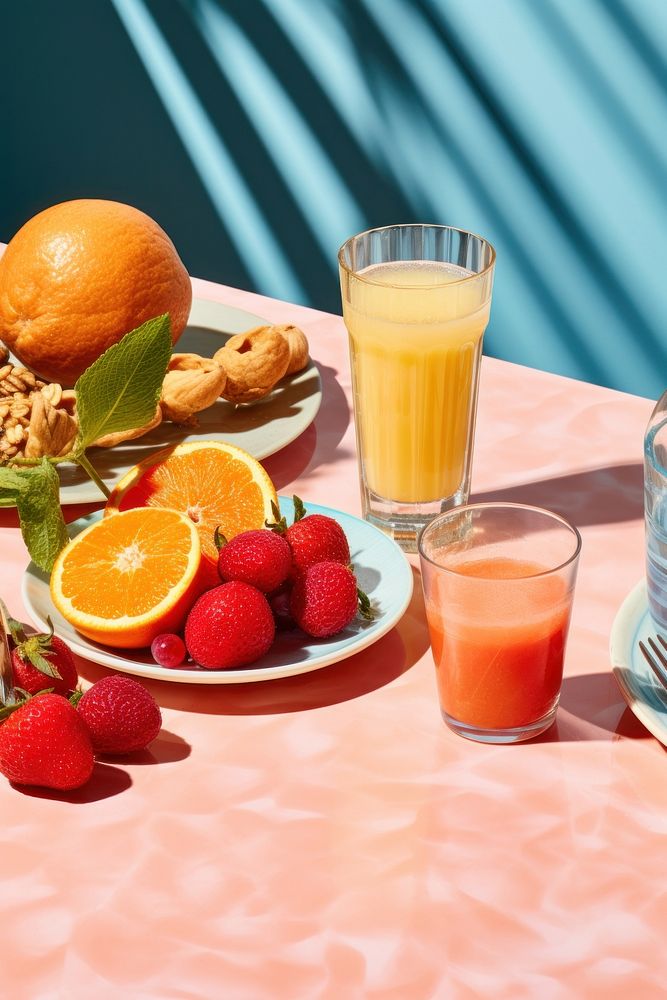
382 571
642 691
261 429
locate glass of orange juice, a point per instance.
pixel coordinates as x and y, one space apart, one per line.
498 583
416 302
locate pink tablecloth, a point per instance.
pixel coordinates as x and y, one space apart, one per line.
325 836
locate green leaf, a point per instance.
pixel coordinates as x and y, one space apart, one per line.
40 515
122 388
12 482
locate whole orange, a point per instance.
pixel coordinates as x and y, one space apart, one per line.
78 276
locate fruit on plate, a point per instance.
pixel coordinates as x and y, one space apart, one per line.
215 484
168 649
77 276
324 599
260 558
120 714
42 661
229 626
312 538
127 578
46 742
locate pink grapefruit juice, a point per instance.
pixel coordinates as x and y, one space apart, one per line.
498 631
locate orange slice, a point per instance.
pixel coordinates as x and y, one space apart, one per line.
126 579
212 482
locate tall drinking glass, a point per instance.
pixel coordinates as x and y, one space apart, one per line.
416 302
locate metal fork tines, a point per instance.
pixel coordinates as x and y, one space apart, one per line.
656 658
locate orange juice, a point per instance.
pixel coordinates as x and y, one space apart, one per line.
498 640
415 340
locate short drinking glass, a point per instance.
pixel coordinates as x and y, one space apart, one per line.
416 302
498 585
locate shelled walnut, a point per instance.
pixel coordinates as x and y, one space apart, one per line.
36 418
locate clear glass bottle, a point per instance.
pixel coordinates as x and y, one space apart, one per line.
655 511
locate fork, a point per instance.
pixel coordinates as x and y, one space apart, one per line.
656 659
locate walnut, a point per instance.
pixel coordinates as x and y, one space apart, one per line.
51 431
254 361
14 379
191 384
298 346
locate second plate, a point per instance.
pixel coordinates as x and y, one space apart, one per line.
643 693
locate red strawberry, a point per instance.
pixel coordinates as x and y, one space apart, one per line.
229 626
313 538
279 602
42 661
325 599
121 715
260 558
45 742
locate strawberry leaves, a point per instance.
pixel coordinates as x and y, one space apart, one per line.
36 648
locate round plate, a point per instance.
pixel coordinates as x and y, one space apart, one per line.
382 571
642 691
261 429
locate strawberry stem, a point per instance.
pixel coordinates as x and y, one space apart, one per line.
299 508
365 607
20 696
35 650
279 523
219 539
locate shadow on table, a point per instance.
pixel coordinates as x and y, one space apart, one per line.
592 709
166 748
105 782
372 668
596 496
318 445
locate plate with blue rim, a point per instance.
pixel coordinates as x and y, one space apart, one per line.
382 571
641 689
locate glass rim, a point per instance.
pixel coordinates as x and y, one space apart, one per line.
463 508
412 225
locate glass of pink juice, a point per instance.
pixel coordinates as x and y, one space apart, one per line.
498 585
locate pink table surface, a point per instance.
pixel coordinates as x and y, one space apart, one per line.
326 836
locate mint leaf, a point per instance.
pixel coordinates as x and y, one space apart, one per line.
40 515
122 388
12 481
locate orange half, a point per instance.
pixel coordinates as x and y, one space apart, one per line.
211 482
126 579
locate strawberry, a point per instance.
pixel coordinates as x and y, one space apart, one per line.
120 714
42 661
325 599
45 742
279 602
312 538
229 626
260 558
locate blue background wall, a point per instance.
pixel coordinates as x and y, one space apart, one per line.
262 133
